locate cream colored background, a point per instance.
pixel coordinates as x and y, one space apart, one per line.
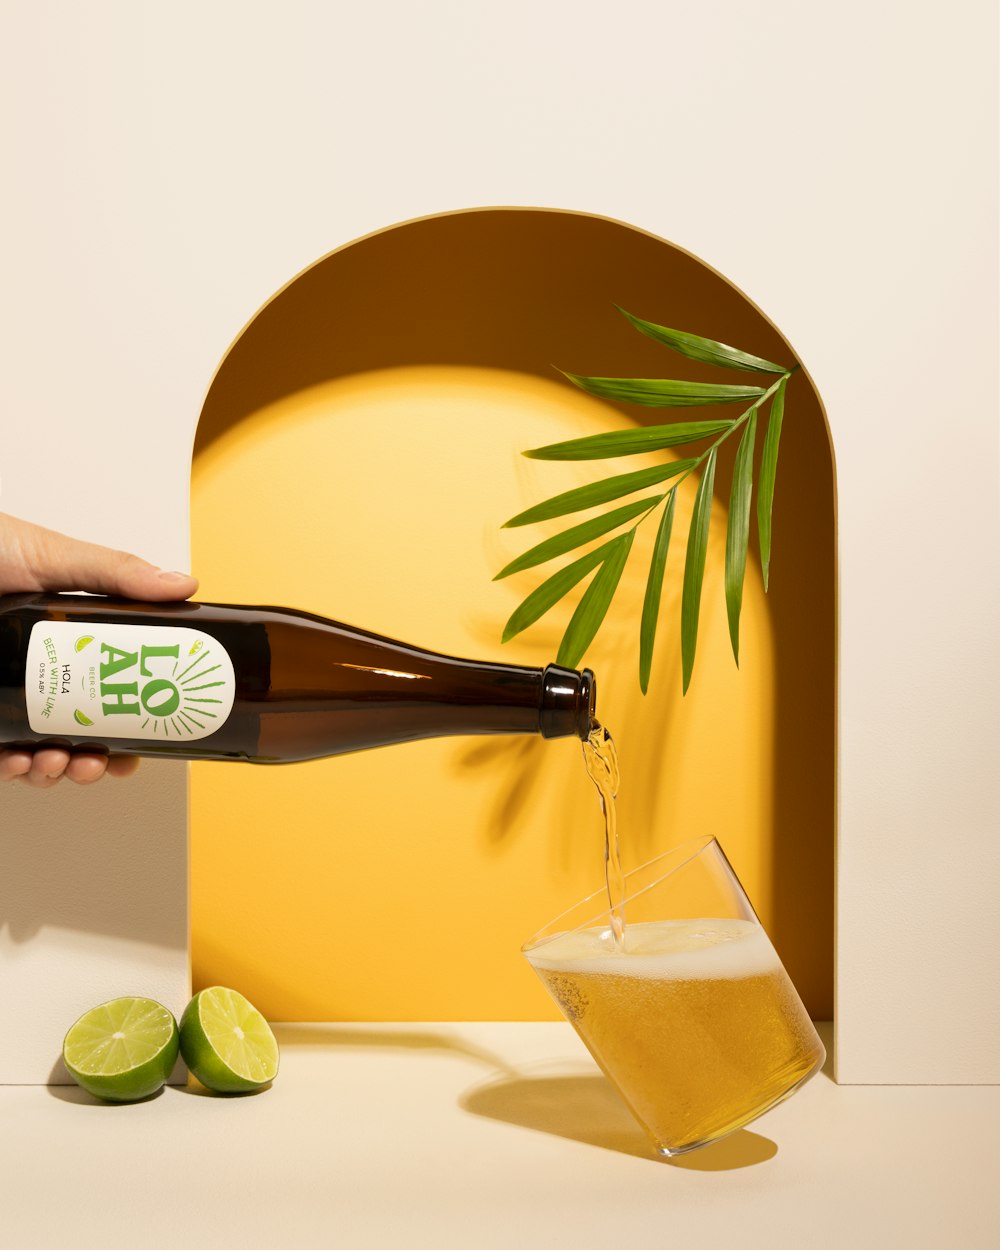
502 1134
166 175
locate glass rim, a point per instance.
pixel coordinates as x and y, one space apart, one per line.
687 851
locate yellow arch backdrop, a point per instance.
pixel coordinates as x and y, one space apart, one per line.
357 454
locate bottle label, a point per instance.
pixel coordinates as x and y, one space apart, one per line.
161 682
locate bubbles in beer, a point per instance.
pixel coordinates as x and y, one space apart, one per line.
568 994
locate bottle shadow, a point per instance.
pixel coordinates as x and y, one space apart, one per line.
585 1108
397 1038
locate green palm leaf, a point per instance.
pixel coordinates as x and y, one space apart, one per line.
577 535
738 533
768 470
610 558
708 351
694 567
552 590
629 442
664 392
599 492
654 585
593 607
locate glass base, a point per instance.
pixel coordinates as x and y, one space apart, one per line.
671 1152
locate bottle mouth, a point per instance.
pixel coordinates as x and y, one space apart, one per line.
569 699
588 703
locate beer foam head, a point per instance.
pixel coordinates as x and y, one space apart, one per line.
689 950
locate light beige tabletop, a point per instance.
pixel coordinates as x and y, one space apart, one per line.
480 1136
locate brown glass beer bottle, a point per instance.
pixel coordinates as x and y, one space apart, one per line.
258 684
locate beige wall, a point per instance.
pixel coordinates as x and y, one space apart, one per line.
169 174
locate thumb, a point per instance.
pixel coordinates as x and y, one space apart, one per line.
35 558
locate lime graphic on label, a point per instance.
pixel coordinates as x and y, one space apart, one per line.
80 719
83 641
196 648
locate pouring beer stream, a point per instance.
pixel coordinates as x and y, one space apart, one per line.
601 758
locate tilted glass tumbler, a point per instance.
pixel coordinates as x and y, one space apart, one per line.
692 1017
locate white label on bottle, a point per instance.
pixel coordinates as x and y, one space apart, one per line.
162 682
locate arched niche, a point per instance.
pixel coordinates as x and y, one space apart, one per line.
356 456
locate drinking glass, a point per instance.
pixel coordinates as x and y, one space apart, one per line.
692 1017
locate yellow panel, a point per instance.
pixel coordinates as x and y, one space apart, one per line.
399 883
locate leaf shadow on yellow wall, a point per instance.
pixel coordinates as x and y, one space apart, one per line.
521 763
388 1037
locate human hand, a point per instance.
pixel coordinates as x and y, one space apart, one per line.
34 558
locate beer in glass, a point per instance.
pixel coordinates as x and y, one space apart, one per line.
690 1015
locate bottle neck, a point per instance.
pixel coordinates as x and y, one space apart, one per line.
469 697
369 704
368 690
568 702
419 693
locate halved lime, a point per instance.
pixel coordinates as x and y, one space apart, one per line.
227 1043
81 718
83 641
122 1050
